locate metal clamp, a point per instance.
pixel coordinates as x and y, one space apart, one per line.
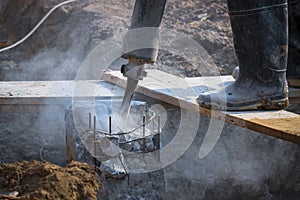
133 71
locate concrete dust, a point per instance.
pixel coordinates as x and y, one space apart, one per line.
43 180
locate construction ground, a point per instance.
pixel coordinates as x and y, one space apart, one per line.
244 164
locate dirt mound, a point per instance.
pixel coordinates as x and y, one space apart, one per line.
57 47
18 17
43 180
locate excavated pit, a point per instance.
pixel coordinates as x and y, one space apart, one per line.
101 131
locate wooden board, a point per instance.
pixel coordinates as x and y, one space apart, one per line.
183 92
294 82
54 92
294 95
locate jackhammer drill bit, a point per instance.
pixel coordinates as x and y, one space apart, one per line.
134 71
130 88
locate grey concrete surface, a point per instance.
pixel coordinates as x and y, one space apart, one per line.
242 165
33 136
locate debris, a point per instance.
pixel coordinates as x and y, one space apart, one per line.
43 180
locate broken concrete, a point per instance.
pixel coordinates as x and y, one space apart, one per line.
113 169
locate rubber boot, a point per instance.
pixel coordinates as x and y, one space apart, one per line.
293 69
260 40
141 41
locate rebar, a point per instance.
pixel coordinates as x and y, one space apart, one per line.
128 132
158 136
95 121
109 133
90 121
95 153
109 125
158 124
144 125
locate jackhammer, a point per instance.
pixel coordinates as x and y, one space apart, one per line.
140 45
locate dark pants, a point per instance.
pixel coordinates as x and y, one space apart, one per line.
236 6
294 39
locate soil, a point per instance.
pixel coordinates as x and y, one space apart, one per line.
43 180
57 48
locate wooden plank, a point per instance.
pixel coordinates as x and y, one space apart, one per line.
294 95
183 92
294 82
54 92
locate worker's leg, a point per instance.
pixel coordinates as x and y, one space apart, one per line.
147 13
293 67
260 40
293 72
